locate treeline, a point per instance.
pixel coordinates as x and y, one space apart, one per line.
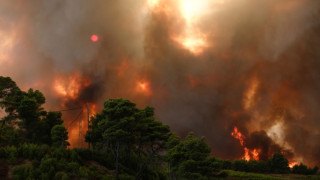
126 143
278 164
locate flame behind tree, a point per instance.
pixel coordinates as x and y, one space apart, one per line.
248 154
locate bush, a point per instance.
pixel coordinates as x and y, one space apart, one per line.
83 172
23 172
104 158
303 169
126 177
11 154
226 164
279 164
61 176
73 167
240 165
33 151
221 174
48 167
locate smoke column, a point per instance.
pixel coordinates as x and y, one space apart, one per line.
206 67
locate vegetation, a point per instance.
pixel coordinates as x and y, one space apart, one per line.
126 143
250 176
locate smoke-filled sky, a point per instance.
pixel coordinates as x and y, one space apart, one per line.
206 66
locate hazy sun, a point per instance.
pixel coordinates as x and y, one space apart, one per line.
94 38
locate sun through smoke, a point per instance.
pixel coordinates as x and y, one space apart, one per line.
94 38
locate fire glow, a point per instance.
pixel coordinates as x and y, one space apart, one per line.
193 39
248 154
292 164
144 87
69 86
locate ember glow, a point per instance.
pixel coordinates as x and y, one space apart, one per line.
215 67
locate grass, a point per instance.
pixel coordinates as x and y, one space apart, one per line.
250 176
236 175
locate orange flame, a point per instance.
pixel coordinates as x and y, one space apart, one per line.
248 154
255 154
70 86
292 164
237 134
143 87
193 42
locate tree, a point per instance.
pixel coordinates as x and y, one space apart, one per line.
240 165
59 135
150 137
130 132
10 97
190 158
26 109
279 164
46 124
303 169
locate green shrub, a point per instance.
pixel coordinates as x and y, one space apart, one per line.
23 172
249 176
73 167
12 154
33 151
240 165
226 164
83 172
126 177
48 167
279 164
61 176
303 169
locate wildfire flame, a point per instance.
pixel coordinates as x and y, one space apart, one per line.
70 86
143 87
255 154
248 154
237 134
193 39
292 164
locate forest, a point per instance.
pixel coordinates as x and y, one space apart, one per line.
126 142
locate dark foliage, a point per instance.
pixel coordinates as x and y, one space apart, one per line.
127 143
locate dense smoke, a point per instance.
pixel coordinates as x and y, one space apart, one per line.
245 63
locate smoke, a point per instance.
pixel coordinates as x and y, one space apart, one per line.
245 63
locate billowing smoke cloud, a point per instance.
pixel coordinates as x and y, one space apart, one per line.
246 63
